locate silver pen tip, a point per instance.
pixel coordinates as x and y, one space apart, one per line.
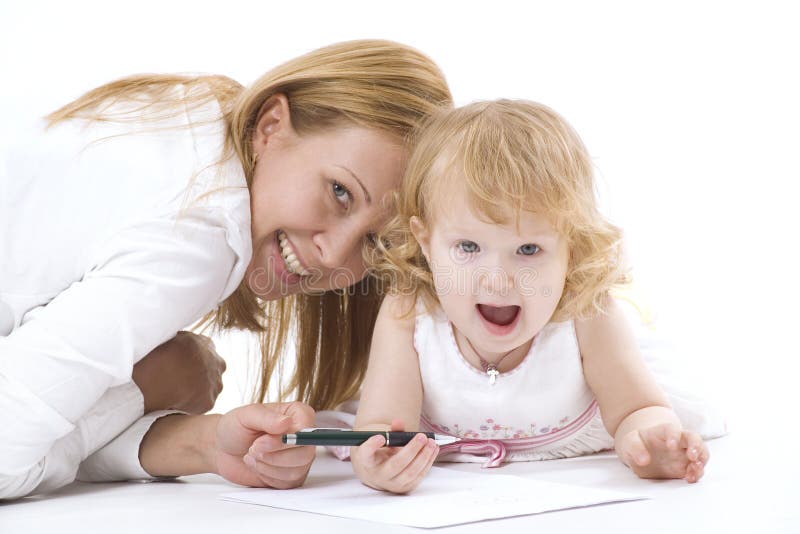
445 440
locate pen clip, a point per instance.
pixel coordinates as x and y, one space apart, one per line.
325 429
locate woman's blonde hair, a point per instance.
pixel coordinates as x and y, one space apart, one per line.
371 83
509 156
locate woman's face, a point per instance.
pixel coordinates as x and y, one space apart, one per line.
316 200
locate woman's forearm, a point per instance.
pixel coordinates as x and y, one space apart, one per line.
179 445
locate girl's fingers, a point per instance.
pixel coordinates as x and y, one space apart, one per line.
413 474
695 447
397 425
667 434
672 436
704 454
397 463
367 451
694 472
635 450
421 464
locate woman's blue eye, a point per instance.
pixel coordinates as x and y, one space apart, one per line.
468 246
528 249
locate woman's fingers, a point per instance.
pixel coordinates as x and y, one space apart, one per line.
291 456
264 418
302 414
277 476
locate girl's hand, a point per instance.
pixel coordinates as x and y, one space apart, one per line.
394 469
249 450
664 451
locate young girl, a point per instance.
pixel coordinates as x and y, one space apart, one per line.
500 328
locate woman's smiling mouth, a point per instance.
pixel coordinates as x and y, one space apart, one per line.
289 255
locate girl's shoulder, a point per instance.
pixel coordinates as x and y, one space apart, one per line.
603 329
400 310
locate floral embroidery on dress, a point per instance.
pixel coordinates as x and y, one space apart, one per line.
493 430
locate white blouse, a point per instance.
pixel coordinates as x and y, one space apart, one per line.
113 236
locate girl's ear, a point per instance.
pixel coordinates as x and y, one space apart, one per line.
422 236
273 118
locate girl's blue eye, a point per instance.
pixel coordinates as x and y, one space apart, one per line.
528 249
341 192
468 246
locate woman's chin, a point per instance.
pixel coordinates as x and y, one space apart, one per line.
266 286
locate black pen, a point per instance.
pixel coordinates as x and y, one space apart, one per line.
327 437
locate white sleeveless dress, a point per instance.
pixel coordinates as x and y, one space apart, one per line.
542 409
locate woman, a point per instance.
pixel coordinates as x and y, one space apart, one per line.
153 201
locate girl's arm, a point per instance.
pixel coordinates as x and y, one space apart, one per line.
614 369
391 398
648 436
392 387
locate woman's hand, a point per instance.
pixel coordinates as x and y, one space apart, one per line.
249 450
394 469
185 373
243 446
664 451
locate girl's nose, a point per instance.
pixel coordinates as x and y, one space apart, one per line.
497 279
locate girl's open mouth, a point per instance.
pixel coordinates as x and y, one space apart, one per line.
499 320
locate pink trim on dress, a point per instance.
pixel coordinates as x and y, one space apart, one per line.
497 449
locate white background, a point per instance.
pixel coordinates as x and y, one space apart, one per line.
690 111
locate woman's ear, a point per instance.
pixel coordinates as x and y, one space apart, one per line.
273 118
422 236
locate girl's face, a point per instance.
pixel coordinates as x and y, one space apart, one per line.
498 287
315 201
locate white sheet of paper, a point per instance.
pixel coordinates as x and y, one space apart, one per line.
446 497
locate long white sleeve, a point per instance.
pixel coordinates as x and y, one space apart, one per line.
56 366
101 260
119 459
113 412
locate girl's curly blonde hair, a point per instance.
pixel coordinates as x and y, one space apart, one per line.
510 155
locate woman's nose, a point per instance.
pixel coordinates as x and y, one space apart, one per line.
337 246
